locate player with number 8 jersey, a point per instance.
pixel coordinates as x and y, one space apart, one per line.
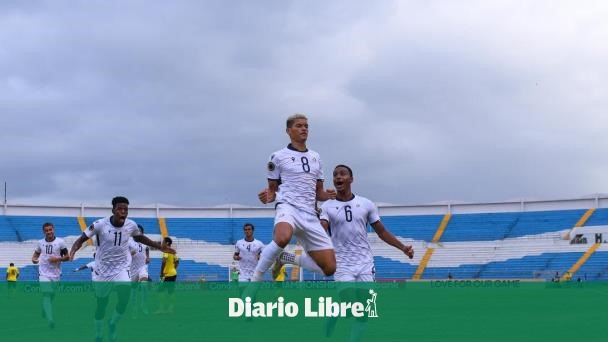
295 181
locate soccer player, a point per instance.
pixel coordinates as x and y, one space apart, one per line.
49 254
247 252
139 274
345 218
113 261
168 276
12 274
295 181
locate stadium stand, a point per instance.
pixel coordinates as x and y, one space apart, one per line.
493 244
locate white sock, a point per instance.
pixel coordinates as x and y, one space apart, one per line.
308 263
48 309
115 317
98 328
288 258
268 256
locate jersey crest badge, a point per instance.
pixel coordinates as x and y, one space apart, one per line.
271 166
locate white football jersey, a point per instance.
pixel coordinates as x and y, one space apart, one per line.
249 252
113 255
139 258
297 173
46 250
348 228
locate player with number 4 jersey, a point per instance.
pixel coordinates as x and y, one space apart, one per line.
247 252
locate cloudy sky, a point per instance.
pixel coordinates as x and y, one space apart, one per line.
182 102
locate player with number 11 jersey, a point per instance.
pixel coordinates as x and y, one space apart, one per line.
113 257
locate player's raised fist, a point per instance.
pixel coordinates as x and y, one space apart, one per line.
266 196
331 193
409 251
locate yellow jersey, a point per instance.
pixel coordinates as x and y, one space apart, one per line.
12 273
170 261
282 273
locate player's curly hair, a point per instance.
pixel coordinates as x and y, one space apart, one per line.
350 171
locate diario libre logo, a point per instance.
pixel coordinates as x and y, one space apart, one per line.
321 307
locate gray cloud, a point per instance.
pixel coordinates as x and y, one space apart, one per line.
182 103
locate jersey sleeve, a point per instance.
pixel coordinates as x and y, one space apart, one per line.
324 209
272 167
372 212
135 230
92 230
237 250
38 249
320 174
133 247
63 248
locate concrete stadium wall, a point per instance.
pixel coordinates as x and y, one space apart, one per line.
230 211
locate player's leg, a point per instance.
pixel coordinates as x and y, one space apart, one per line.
346 291
100 313
162 301
304 260
143 288
121 283
365 283
123 290
244 278
133 296
48 308
48 294
317 244
283 231
171 293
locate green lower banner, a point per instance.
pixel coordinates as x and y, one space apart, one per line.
467 310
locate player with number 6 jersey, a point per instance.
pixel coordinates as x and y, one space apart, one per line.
345 219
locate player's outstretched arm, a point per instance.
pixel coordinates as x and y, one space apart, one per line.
35 257
154 244
77 244
80 268
389 238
